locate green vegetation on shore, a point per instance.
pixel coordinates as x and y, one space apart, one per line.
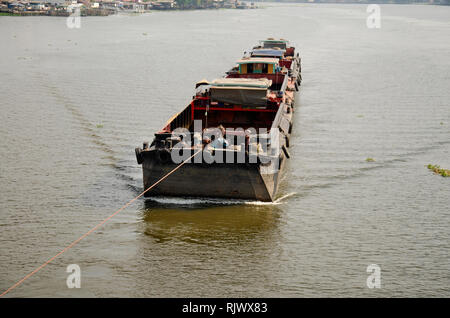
438 170
9 14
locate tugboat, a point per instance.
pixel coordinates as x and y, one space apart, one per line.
236 129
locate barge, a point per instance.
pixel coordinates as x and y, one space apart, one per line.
233 136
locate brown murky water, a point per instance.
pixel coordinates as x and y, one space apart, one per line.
75 102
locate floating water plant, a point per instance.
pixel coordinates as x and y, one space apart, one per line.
99 125
438 170
370 160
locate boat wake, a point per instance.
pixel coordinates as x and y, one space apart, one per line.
278 201
208 202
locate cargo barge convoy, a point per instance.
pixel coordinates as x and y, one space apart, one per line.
236 129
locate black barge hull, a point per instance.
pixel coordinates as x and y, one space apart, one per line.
244 181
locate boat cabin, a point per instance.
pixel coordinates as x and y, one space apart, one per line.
258 65
236 103
280 44
261 67
272 43
273 53
251 93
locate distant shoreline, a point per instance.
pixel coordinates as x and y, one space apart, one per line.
106 12
426 2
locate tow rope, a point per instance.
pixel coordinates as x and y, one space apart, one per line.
97 226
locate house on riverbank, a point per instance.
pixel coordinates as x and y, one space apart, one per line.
51 8
107 7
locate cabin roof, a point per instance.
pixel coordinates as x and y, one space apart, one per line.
268 52
264 60
242 82
275 40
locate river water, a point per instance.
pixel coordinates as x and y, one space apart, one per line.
76 102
